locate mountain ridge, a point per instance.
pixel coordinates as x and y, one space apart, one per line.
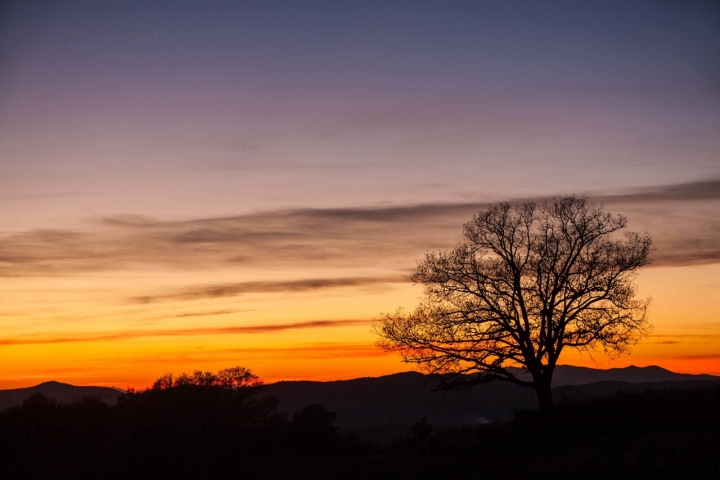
406 397
62 392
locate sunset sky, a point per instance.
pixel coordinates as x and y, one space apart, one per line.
197 185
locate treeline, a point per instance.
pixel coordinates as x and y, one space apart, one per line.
199 425
219 426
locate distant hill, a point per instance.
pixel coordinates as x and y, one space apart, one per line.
405 398
62 392
401 398
570 375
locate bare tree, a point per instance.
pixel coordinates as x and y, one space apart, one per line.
233 379
525 282
237 378
163 383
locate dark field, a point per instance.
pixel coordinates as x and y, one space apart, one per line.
208 432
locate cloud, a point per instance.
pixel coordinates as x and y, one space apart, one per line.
708 252
257 354
311 351
682 219
343 238
700 190
129 335
296 286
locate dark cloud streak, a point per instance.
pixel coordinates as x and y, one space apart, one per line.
391 238
701 190
297 286
129 335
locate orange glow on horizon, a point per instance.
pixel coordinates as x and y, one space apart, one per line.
85 335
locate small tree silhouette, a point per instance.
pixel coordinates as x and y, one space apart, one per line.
235 378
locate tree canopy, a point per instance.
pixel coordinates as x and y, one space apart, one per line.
525 282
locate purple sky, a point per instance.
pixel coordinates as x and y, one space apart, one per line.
201 108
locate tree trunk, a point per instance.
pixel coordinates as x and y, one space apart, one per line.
544 392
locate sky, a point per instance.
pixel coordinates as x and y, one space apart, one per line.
197 185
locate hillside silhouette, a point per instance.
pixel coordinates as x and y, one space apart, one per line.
403 398
62 392
381 408
194 431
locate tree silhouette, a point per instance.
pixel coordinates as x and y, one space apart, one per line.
525 282
236 378
232 379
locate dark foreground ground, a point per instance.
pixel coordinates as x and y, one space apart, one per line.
206 432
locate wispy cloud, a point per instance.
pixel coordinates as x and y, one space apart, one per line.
304 351
293 352
296 286
681 218
700 190
132 334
